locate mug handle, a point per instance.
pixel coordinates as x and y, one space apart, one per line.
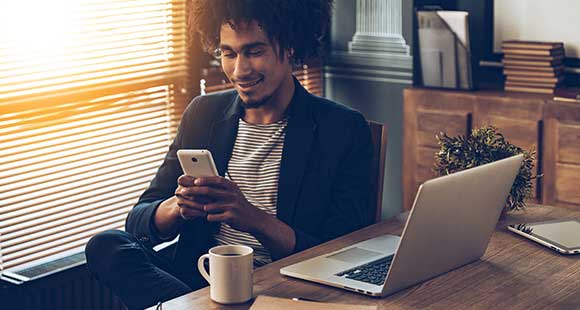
201 267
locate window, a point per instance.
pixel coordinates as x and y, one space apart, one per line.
90 96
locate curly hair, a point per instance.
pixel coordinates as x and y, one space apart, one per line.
299 25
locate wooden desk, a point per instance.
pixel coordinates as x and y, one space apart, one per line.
513 274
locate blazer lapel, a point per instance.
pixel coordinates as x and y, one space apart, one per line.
296 152
223 136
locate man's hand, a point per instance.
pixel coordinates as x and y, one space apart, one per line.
223 201
227 204
189 203
171 213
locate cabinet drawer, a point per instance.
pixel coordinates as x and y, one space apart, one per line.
431 123
523 133
425 163
567 180
569 143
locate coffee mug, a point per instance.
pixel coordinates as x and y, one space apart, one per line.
230 273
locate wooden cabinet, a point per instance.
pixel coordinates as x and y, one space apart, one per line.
426 114
562 153
527 120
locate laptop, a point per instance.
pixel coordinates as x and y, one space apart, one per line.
449 226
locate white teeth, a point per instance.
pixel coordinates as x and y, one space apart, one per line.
250 84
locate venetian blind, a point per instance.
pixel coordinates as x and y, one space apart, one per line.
90 94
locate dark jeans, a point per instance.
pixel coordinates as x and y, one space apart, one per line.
140 276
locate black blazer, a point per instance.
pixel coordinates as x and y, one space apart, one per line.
324 173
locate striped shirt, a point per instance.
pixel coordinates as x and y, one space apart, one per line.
255 167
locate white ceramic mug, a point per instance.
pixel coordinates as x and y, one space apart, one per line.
230 273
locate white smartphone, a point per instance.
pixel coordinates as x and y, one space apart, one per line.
197 163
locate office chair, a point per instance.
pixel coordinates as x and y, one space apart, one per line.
379 137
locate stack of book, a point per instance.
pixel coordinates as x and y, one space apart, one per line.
535 67
567 94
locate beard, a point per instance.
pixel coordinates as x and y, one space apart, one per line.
256 103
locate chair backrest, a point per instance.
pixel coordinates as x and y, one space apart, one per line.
379 136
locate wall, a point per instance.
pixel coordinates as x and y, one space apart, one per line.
538 20
372 83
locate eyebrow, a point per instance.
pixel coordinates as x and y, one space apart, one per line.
245 47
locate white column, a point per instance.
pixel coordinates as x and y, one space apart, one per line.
378 28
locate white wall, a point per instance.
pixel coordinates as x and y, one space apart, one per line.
538 20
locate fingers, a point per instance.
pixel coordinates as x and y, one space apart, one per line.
185 203
218 217
214 188
189 209
184 183
217 181
207 186
196 197
209 191
185 180
214 208
189 214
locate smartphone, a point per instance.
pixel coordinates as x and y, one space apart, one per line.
197 163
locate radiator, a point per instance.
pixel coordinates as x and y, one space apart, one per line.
54 288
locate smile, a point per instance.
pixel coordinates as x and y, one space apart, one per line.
250 84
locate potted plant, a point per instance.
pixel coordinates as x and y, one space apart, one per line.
482 146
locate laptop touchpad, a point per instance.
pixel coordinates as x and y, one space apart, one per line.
354 255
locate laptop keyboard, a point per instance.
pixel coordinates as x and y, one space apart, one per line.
374 272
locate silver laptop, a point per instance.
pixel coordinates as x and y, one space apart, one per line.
450 225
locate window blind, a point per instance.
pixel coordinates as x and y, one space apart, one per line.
90 96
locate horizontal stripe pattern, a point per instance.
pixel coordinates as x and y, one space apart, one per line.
89 104
255 168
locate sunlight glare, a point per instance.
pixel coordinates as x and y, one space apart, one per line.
37 28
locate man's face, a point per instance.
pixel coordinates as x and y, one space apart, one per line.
252 64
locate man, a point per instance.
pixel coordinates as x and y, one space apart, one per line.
294 168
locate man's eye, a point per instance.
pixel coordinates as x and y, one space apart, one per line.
228 55
255 53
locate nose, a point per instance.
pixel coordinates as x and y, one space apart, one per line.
242 67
